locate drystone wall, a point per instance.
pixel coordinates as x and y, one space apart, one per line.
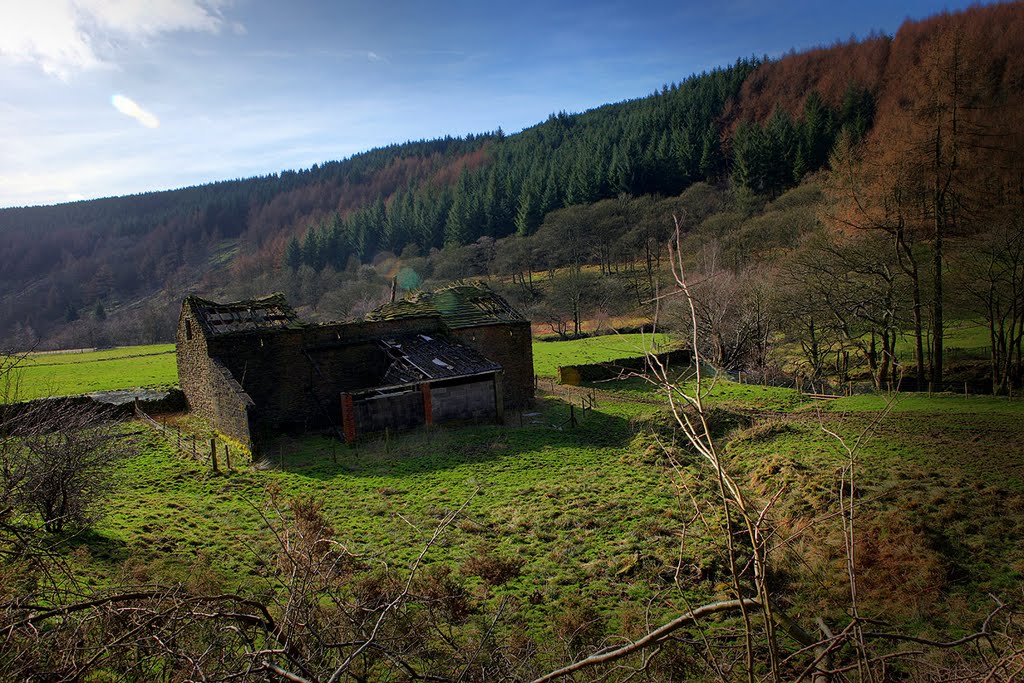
194 368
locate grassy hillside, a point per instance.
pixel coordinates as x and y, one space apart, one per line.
590 520
112 270
574 537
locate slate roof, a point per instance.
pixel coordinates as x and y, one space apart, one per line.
251 315
416 358
459 305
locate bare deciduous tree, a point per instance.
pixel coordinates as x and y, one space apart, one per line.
61 459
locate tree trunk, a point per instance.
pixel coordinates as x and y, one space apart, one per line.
937 330
908 262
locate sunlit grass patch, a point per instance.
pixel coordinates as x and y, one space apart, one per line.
67 374
549 355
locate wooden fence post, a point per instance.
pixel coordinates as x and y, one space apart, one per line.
213 454
227 456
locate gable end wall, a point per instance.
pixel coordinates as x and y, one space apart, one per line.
511 346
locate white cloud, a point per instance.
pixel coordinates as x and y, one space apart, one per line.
129 107
63 37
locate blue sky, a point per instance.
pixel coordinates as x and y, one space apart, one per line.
111 97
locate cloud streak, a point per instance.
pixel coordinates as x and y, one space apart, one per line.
64 37
129 107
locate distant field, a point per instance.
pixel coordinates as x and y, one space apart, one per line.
549 355
66 374
971 336
128 367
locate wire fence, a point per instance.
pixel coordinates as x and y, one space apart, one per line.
218 454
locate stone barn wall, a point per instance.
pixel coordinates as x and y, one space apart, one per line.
510 345
295 376
194 369
253 369
230 405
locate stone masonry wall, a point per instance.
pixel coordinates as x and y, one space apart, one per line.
263 382
510 345
231 405
193 360
295 377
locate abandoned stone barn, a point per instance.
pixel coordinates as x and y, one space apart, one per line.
253 369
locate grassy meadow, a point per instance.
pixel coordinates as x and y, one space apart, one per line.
596 520
601 528
65 374
548 356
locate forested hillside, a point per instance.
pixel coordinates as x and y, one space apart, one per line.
333 236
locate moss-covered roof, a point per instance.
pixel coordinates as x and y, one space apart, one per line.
250 315
459 305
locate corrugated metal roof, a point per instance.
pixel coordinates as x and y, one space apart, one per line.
416 358
459 305
252 315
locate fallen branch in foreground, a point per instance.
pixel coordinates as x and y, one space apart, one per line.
655 636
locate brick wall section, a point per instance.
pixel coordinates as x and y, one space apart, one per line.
348 418
428 404
511 346
473 400
403 410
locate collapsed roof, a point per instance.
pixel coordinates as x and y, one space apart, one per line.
250 315
416 358
459 305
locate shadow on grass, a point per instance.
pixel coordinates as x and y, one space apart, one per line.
100 547
547 426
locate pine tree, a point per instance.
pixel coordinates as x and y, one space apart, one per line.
529 215
293 254
712 161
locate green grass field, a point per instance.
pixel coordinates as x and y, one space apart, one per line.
129 367
549 355
66 374
576 505
595 514
604 529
